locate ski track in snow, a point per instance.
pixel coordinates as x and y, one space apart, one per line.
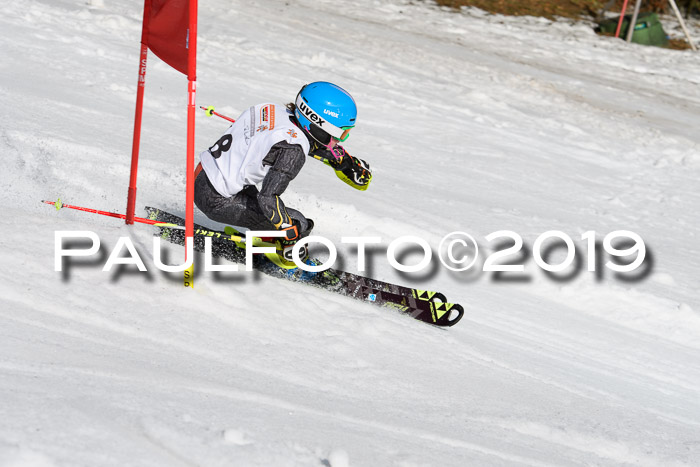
471 122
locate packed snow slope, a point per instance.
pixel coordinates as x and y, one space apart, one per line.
471 123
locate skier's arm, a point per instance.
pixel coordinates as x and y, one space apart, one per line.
353 171
286 160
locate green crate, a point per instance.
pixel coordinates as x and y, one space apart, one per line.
647 31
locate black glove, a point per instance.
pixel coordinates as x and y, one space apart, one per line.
353 171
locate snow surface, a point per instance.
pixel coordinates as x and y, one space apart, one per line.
471 122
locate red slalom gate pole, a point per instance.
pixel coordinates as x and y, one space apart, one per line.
622 17
131 197
191 110
142 220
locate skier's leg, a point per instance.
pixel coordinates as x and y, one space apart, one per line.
241 210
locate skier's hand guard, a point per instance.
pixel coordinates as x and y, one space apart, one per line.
291 232
284 245
353 171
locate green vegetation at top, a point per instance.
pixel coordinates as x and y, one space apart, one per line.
566 8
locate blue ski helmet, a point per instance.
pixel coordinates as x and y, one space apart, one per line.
324 110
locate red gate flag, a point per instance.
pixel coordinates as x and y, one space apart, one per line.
167 31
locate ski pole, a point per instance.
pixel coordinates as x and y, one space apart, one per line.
59 205
210 111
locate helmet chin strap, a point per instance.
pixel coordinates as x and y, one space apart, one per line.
306 132
312 139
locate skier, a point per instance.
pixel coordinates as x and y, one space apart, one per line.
267 146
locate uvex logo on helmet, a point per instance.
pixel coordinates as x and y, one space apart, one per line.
310 114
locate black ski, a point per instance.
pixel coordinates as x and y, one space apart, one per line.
423 305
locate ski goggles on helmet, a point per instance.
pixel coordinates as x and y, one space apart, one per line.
324 137
346 133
